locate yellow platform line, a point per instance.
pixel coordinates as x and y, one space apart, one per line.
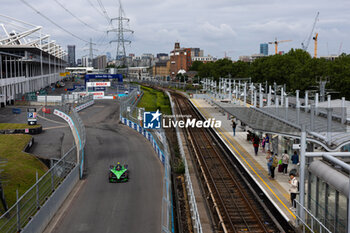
220 132
258 166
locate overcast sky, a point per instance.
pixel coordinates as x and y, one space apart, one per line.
235 26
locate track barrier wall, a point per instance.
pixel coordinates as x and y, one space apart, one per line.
160 146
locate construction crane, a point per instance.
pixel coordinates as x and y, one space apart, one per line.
276 43
305 46
315 39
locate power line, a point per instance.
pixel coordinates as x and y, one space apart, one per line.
93 6
53 22
103 9
81 21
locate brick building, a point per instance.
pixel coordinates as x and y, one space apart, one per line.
180 59
161 69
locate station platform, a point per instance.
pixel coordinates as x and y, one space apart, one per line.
275 189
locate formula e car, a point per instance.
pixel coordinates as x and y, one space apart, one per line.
118 173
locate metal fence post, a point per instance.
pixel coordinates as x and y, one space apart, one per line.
37 191
302 171
329 125
18 213
52 181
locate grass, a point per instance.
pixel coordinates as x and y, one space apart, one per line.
20 170
4 126
153 99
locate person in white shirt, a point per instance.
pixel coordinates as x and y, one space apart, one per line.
285 161
293 189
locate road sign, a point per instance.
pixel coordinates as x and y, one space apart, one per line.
31 109
31 116
98 84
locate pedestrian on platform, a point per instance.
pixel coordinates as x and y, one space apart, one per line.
295 159
234 125
263 145
267 142
285 161
294 183
256 144
268 156
280 166
273 164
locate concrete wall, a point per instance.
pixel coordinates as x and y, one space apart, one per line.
49 209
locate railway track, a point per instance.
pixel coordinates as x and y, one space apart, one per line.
234 205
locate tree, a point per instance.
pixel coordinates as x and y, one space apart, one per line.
195 65
297 69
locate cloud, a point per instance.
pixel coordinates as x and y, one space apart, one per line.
222 31
215 26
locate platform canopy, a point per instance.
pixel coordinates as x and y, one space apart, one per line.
286 122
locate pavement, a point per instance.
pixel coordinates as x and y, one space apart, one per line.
96 205
277 189
53 142
56 138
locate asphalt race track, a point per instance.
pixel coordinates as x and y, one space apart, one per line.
100 206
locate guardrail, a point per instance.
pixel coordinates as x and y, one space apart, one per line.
162 150
34 198
311 223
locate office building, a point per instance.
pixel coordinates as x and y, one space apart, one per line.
71 55
100 62
264 49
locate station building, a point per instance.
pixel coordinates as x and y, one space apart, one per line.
29 60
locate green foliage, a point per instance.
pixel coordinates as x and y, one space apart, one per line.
297 69
153 100
180 167
4 126
195 65
20 169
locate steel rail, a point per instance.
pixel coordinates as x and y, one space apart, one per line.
214 156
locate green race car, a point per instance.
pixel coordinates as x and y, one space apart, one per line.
118 173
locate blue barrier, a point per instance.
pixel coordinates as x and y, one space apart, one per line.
147 135
161 156
16 111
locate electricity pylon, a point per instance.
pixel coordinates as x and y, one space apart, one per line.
120 30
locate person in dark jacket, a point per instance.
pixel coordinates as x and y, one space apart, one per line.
295 158
234 125
256 144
